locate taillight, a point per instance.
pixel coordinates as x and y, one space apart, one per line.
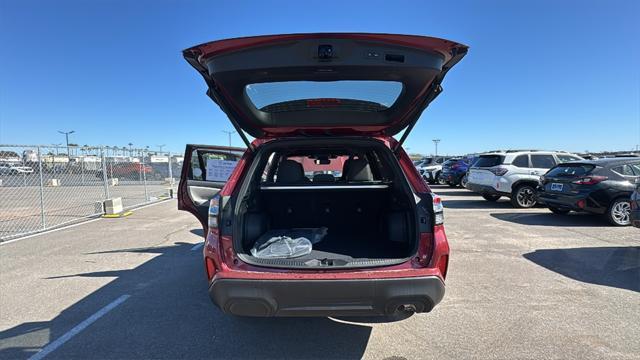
499 171
443 264
581 203
438 210
210 267
214 212
590 180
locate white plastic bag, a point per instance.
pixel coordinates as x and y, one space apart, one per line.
282 247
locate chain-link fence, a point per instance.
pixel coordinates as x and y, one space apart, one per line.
42 187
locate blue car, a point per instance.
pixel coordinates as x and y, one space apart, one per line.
454 171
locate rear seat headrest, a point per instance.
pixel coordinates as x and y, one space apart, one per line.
359 170
289 171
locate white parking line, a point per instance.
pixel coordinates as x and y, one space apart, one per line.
197 246
52 346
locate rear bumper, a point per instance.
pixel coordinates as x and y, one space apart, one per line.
571 202
429 175
485 190
452 177
325 297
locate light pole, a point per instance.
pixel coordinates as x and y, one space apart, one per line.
436 141
130 150
66 135
161 146
229 133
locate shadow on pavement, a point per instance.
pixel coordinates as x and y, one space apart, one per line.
197 231
169 315
609 266
551 219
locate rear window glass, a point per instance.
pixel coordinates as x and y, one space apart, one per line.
312 167
489 160
370 95
570 170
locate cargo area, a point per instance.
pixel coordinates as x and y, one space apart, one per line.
367 210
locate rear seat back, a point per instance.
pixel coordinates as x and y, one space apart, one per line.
358 170
290 172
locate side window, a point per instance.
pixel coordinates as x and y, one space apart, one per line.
636 168
215 166
521 161
624 170
562 158
542 161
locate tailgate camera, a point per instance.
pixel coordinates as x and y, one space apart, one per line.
325 52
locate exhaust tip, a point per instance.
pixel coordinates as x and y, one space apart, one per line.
407 308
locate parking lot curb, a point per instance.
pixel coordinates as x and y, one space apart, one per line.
119 215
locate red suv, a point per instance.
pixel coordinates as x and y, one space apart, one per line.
323 214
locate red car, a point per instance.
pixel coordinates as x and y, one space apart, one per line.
284 239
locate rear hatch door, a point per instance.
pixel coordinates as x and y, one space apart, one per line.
324 84
560 180
481 171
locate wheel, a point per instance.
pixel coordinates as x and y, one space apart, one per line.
524 196
463 181
619 211
439 179
559 211
491 198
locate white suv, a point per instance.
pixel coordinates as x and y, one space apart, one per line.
430 168
513 173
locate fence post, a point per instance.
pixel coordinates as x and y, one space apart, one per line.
170 170
104 173
144 177
42 217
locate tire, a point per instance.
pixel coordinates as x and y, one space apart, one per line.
524 197
492 198
559 211
440 180
463 181
619 212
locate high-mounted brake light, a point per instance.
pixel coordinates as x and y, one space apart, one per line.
214 212
499 171
590 180
438 210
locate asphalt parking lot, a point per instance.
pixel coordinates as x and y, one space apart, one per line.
521 284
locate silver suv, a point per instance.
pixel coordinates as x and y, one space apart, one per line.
513 173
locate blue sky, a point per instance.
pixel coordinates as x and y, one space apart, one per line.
539 74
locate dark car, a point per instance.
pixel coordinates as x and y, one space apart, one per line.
601 186
454 171
635 206
282 240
